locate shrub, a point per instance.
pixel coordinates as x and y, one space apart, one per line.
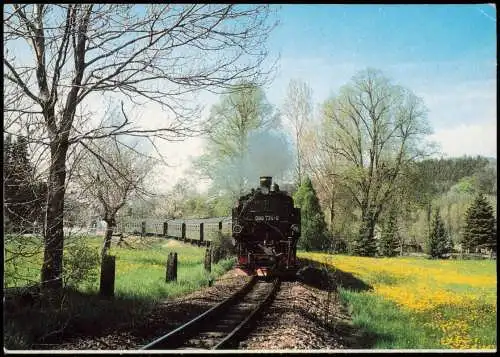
222 246
81 264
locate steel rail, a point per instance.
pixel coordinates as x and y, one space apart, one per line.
178 336
231 339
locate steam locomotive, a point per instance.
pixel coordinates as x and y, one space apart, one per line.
266 227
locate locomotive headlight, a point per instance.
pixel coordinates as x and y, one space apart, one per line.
295 228
237 229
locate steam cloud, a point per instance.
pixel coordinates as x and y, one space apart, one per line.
269 154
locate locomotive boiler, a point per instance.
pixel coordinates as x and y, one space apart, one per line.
266 227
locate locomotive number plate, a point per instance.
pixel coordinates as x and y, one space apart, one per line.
266 218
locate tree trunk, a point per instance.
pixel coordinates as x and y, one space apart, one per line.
51 274
108 272
370 225
110 224
366 241
332 210
299 171
429 212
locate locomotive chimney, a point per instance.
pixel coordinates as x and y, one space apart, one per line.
266 181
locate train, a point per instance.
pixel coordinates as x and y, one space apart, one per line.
266 229
194 231
264 224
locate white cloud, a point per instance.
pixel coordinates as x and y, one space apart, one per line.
462 111
468 139
470 103
180 153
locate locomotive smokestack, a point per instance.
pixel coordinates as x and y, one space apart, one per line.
266 181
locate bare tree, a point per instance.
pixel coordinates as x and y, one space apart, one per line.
142 53
298 111
231 124
176 196
108 174
320 165
379 128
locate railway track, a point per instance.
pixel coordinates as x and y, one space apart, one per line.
222 326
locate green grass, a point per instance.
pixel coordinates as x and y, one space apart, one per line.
139 285
415 303
385 325
141 272
23 258
384 278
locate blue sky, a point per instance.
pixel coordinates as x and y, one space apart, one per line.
444 53
387 33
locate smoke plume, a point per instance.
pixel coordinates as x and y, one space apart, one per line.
269 154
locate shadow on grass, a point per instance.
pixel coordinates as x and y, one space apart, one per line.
331 279
317 278
355 337
44 322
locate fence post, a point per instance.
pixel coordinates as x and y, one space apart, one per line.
107 284
175 266
168 271
171 267
183 231
165 228
143 228
200 242
208 259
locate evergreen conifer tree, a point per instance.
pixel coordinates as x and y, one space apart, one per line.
313 230
480 226
389 239
365 244
439 243
23 196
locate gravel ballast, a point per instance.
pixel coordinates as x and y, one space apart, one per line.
301 317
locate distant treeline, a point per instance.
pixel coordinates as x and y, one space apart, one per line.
445 172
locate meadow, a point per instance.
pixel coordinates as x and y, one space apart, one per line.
141 272
411 303
139 285
418 303
140 266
